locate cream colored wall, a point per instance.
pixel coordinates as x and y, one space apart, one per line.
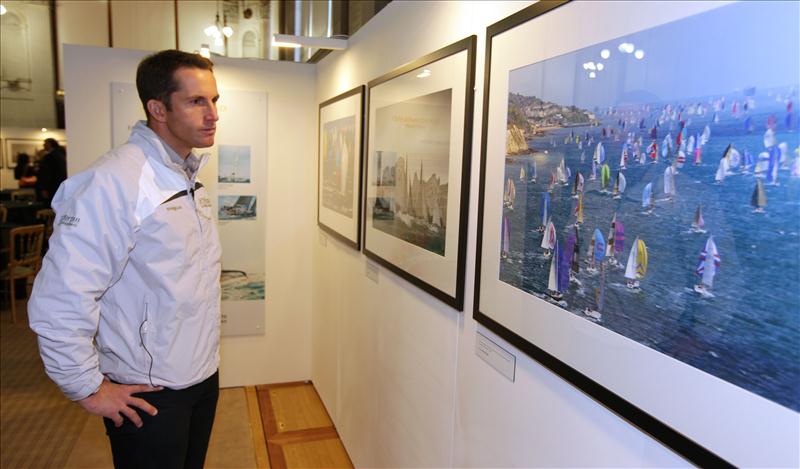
82 22
396 368
283 354
144 24
7 180
36 109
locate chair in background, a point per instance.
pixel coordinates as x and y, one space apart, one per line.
24 260
3 213
24 195
46 216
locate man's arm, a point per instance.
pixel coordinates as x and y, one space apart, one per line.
88 250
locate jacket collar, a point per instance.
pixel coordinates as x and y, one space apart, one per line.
157 148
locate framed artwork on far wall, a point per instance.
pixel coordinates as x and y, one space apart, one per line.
16 146
638 220
418 160
339 166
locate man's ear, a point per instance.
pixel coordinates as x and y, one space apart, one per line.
157 110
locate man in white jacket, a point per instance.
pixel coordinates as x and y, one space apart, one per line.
127 304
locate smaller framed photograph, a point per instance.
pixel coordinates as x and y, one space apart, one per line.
419 137
16 146
339 166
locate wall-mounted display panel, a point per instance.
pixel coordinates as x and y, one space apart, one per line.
639 223
417 179
339 166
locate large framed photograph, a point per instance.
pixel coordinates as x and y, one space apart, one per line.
17 146
639 214
419 144
339 166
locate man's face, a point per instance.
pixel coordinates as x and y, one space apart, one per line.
192 121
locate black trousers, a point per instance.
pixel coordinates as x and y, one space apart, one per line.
177 437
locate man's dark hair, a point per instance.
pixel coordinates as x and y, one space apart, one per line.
51 143
155 77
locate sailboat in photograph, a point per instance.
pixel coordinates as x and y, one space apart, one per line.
636 268
532 171
597 259
698 223
561 172
707 268
593 174
579 211
549 238
669 183
772 168
722 169
652 150
616 233
623 159
510 194
619 185
605 178
522 173
647 198
577 188
759 198
505 244
574 249
544 211
558 281
599 156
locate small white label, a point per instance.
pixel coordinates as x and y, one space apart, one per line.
372 271
323 240
496 356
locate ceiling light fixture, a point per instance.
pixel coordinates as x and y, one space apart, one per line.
205 51
288 40
3 10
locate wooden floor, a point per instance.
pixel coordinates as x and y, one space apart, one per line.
299 431
278 425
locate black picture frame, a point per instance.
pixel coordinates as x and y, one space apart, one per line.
327 221
705 452
455 271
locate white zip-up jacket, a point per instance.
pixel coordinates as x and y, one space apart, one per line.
129 287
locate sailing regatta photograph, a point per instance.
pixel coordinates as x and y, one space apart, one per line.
234 164
410 170
338 165
652 186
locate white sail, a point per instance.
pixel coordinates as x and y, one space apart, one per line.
669 181
552 281
622 184
722 170
769 138
630 267
549 236
709 263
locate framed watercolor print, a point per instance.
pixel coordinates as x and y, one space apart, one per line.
417 183
339 166
639 223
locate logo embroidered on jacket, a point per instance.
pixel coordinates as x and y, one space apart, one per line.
175 207
68 220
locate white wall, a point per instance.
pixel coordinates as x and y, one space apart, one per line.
82 22
36 107
283 354
397 368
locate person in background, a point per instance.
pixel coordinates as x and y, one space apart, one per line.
24 172
127 303
52 171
